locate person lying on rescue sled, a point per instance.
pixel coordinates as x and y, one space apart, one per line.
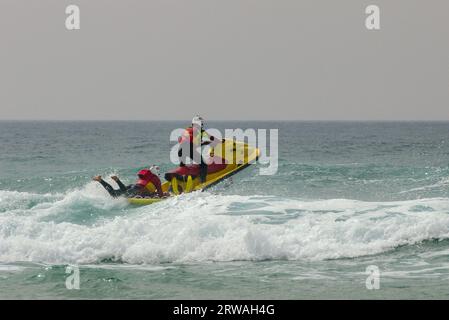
148 185
193 138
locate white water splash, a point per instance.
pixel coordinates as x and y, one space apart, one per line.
204 227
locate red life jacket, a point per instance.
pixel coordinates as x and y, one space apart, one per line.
192 133
149 180
187 136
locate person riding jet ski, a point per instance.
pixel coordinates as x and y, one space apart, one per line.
190 143
148 183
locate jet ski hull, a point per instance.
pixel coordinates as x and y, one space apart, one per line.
229 158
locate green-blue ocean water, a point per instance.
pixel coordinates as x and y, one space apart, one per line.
347 195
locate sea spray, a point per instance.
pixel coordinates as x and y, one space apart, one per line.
211 227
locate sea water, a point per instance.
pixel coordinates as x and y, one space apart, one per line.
347 196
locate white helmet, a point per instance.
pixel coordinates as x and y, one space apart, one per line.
198 121
155 170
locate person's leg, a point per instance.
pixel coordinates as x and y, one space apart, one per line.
196 156
203 170
134 190
108 187
122 187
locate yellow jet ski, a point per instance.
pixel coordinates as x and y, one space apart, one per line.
226 159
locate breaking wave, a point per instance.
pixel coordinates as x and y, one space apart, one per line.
87 226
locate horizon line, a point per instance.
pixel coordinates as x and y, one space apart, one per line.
225 120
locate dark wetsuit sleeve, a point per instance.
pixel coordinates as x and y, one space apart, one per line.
110 189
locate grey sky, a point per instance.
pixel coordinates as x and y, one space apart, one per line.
224 59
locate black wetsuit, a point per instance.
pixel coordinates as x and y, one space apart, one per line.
129 191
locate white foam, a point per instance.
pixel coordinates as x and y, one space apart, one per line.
204 227
39 205
442 183
11 200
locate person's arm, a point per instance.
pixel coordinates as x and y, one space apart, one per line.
158 186
205 143
210 138
157 183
